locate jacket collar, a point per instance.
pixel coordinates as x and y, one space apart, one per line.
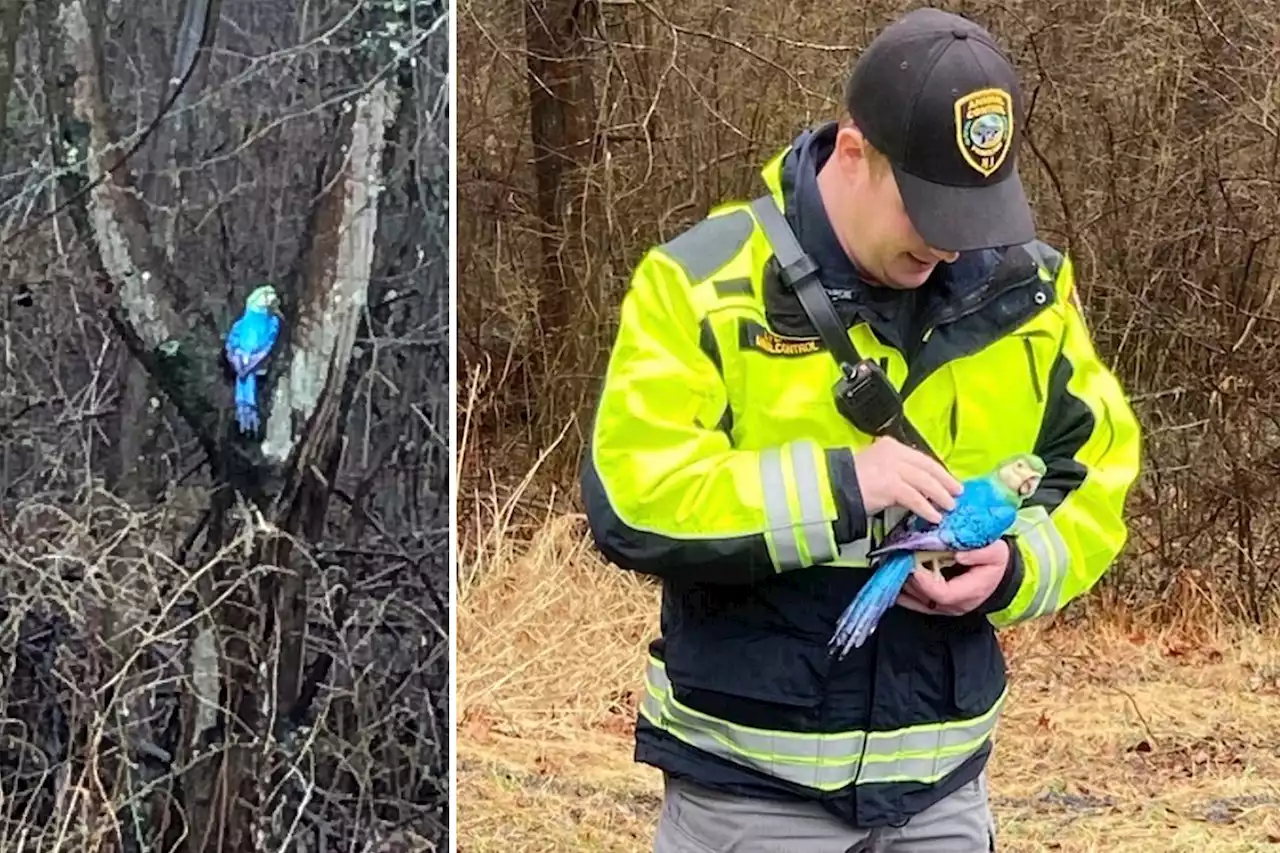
896 316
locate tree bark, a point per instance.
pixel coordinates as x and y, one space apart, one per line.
562 116
562 129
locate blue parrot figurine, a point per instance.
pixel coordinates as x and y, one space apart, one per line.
985 510
248 344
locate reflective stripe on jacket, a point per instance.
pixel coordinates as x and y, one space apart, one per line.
718 462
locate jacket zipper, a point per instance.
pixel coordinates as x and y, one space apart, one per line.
1031 366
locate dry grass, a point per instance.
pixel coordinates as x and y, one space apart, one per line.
1119 736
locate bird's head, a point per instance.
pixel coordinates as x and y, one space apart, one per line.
1022 474
263 298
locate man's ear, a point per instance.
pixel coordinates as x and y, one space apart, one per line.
851 148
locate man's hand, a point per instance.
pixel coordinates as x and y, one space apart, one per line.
892 474
927 592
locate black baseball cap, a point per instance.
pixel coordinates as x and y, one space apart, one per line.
940 100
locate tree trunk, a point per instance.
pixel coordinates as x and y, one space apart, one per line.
285 481
562 116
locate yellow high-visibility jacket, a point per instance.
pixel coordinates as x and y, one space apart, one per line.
718 462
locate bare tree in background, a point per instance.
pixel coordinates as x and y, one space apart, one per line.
561 122
259 657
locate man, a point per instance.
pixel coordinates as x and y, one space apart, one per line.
721 463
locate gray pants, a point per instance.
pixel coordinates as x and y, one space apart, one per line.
696 820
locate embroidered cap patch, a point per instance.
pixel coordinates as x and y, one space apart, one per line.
984 128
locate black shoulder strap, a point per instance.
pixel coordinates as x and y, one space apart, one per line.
864 394
800 273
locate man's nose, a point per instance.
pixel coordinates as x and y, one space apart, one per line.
945 257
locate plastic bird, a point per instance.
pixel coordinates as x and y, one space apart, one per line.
985 510
249 342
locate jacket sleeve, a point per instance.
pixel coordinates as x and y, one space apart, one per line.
665 491
1071 531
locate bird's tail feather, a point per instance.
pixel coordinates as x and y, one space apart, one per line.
876 596
247 403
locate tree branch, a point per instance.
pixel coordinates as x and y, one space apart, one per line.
111 219
335 288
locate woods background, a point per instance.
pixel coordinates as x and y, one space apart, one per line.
209 642
589 131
